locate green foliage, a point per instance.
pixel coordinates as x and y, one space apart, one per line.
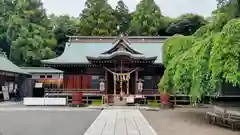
153 103
229 7
146 19
173 49
98 19
25 29
30 47
97 102
186 24
219 20
62 26
5 6
225 56
165 23
30 35
204 31
199 64
123 17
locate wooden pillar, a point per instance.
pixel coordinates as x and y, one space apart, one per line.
114 83
106 80
136 79
127 86
1 80
114 79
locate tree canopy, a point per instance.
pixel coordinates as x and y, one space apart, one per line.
123 17
98 19
146 19
186 24
230 7
199 64
62 26
26 30
28 34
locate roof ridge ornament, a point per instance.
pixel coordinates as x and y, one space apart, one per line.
121 49
121 37
121 44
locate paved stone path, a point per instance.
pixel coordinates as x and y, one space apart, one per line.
120 122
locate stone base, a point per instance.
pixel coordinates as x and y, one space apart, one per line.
167 106
77 105
164 106
119 102
152 109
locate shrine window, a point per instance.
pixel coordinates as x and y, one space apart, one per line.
49 76
42 76
95 80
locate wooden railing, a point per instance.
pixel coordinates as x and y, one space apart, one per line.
151 95
95 94
93 91
150 92
87 93
68 92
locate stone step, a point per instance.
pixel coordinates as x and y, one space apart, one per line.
119 102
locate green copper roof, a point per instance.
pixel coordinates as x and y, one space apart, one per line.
75 53
35 70
7 66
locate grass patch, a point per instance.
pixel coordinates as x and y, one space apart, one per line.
97 102
154 104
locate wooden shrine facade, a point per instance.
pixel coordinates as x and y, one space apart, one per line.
11 79
120 66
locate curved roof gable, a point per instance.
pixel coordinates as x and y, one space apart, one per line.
121 48
121 44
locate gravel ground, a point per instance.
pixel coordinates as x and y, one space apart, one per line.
184 121
46 122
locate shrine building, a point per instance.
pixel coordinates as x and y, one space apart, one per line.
119 63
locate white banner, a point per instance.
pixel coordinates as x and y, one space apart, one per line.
38 85
5 92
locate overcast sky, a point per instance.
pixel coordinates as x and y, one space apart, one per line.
172 8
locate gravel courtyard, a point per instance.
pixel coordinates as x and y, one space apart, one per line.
46 122
183 121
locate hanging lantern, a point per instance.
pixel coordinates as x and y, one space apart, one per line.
140 86
102 86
